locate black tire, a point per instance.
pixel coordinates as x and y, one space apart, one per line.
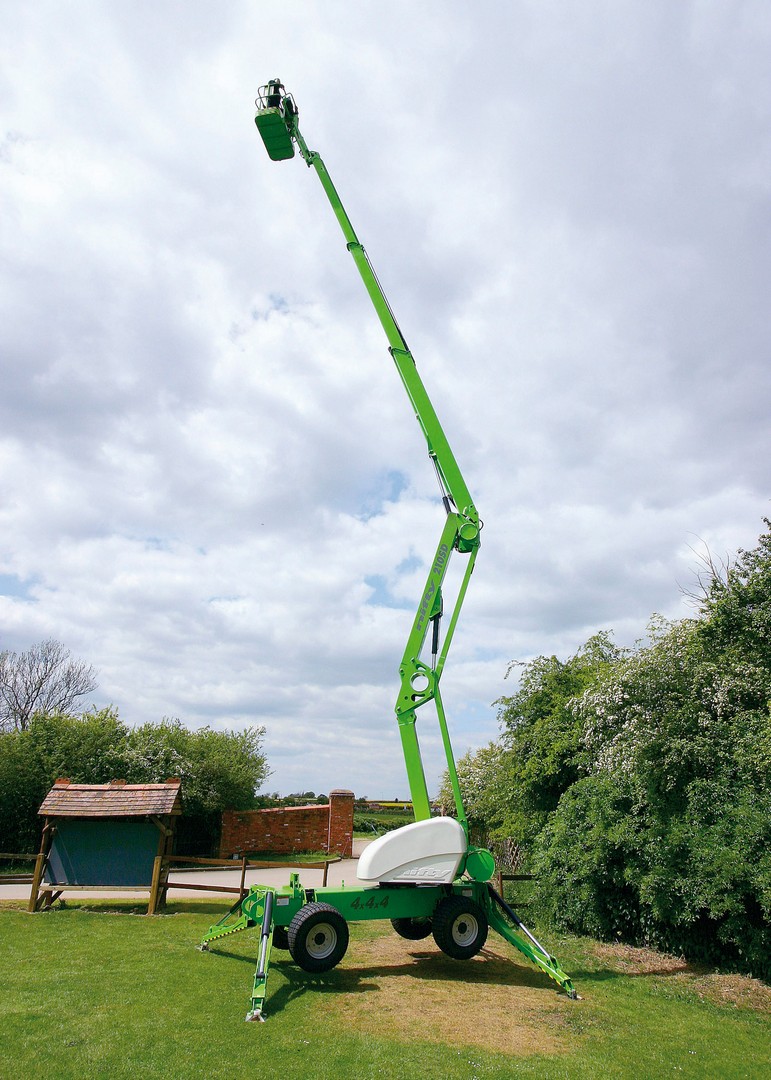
412 929
318 937
460 927
280 937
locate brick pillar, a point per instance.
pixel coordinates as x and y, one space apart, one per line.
341 823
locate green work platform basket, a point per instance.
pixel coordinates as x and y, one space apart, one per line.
272 127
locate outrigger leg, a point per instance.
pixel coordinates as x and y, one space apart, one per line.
501 916
260 987
255 909
230 923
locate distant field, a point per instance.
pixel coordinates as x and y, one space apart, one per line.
383 804
371 822
96 990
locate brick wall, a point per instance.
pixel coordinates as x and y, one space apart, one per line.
290 829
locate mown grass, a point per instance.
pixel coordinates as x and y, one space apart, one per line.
98 990
294 859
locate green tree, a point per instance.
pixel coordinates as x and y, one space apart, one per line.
481 777
219 769
23 784
738 610
639 781
666 838
88 749
541 752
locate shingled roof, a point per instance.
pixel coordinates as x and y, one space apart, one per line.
117 799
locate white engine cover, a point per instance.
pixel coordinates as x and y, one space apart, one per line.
424 853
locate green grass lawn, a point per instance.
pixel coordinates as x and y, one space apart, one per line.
300 858
96 989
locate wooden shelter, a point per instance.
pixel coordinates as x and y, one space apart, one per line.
97 836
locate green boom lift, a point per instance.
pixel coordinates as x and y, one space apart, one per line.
425 877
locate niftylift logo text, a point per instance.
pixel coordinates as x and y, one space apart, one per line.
440 563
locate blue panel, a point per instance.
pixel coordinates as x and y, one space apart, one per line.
102 852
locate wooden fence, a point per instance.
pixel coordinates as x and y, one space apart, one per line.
16 879
501 877
160 883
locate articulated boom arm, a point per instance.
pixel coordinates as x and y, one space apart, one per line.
277 122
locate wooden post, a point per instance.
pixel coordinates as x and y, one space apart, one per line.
37 877
243 876
153 905
40 865
165 844
168 848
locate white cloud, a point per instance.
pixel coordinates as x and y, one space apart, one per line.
211 486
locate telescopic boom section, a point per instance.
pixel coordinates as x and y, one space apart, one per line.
277 122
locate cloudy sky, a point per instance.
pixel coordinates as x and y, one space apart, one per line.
211 484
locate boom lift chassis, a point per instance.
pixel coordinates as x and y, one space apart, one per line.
425 877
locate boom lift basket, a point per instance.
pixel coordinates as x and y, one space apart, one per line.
272 127
274 105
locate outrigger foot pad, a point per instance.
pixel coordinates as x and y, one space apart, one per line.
255 1014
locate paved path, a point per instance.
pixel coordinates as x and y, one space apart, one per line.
337 873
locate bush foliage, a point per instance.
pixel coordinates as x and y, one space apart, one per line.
219 769
638 782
